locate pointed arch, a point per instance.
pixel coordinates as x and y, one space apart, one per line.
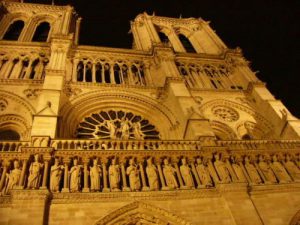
138 212
188 46
42 32
14 30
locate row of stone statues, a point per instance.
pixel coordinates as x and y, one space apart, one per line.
133 176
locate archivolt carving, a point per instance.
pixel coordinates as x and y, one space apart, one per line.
254 130
18 99
222 131
296 219
16 123
141 213
88 103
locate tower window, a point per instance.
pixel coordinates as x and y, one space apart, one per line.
186 44
41 32
163 37
14 30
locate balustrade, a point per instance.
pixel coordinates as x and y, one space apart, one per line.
23 66
110 72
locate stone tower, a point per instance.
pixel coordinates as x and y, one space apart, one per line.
176 130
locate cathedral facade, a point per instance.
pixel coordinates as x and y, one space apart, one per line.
177 130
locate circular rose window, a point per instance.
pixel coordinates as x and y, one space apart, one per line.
118 125
225 113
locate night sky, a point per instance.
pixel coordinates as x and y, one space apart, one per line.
268 32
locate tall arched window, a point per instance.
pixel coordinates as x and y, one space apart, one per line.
41 32
14 30
186 43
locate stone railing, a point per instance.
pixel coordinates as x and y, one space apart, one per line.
88 144
12 146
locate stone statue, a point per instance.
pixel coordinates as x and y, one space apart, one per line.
252 172
169 173
137 131
203 173
34 173
112 129
75 176
292 169
114 176
186 174
266 170
222 170
125 129
12 178
56 172
237 169
95 175
280 171
151 171
134 178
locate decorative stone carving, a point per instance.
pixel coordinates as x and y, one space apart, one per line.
186 174
170 175
75 176
203 173
56 172
292 169
95 175
152 171
266 170
3 104
252 171
32 93
222 170
116 125
12 178
114 175
280 171
225 113
133 173
71 91
35 174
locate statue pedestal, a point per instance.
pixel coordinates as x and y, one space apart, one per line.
165 188
85 190
105 190
145 189
126 189
65 190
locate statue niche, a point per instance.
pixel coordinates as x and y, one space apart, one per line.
116 125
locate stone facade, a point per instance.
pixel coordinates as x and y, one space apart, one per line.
176 130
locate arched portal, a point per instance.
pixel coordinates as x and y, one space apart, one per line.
138 213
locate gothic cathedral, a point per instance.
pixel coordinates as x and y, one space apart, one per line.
176 130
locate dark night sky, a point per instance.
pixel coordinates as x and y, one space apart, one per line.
268 31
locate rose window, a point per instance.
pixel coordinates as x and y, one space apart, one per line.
118 125
225 113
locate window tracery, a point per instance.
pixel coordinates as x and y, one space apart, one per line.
118 125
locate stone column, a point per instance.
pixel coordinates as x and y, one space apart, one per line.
46 170
66 176
145 187
23 172
104 174
161 177
86 175
2 181
125 186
